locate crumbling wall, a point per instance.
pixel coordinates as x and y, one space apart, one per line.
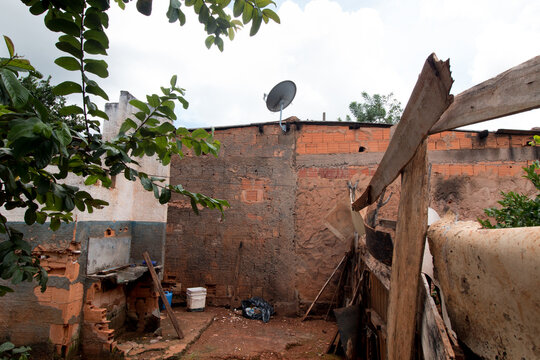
289 225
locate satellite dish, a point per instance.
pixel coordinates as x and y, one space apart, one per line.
280 97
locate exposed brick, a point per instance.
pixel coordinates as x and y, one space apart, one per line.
502 141
467 170
343 148
453 144
465 143
479 169
455 170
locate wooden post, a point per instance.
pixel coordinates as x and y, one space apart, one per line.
157 284
408 253
429 99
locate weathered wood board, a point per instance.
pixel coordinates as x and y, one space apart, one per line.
429 99
514 91
408 254
433 336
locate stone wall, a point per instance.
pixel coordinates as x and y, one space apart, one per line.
289 221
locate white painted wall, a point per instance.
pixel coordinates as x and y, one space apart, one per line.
128 201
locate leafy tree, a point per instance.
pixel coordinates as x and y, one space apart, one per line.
377 109
517 209
43 91
39 150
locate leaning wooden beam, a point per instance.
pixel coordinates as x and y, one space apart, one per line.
325 285
408 254
514 91
430 97
157 284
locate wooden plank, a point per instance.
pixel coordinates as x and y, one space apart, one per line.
429 98
324 286
408 254
514 91
433 336
157 284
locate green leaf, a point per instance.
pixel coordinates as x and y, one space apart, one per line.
127 124
30 216
167 112
70 110
10 46
98 67
248 13
199 133
4 290
21 65
181 17
99 4
204 15
91 180
70 45
146 183
18 93
98 36
144 7
219 43
172 14
263 3
96 90
67 88
209 41
153 100
238 7
55 223
63 25
166 127
37 8
94 47
165 196
256 24
63 134
174 78
99 113
272 15
68 63
92 20
7 346
140 105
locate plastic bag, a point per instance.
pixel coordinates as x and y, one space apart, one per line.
257 308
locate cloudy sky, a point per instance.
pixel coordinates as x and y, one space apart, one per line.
333 50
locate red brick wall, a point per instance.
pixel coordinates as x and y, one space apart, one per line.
289 198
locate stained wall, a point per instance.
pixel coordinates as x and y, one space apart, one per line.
289 223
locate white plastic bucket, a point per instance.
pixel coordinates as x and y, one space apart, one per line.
196 298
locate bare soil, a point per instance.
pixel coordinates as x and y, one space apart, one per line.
232 336
219 333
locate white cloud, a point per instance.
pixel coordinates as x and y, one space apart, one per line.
332 50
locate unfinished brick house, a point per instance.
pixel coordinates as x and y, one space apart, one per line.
285 230
83 299
280 239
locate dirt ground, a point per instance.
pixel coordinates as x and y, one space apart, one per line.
219 333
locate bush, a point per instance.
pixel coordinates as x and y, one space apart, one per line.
517 209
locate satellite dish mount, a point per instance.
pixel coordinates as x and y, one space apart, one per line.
280 97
